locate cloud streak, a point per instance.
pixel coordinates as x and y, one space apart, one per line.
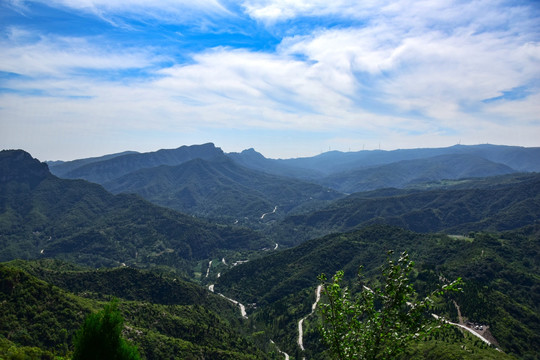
408 74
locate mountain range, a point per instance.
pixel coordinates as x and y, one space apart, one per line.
172 230
240 187
501 204
220 188
43 215
520 159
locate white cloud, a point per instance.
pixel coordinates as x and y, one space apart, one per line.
408 74
412 66
272 11
25 54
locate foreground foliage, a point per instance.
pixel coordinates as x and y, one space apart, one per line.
500 274
39 320
100 337
378 323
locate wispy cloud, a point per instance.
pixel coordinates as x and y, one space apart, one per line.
24 53
406 73
164 10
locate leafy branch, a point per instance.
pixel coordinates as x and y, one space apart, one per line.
377 323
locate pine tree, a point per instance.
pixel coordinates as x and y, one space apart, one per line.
100 337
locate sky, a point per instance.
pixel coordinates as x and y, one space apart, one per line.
290 78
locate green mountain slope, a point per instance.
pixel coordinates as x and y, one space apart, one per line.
219 188
403 173
487 206
36 313
500 274
41 215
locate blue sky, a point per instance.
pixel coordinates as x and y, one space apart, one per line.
290 78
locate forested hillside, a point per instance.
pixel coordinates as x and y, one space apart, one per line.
35 313
221 189
502 204
482 229
44 216
500 273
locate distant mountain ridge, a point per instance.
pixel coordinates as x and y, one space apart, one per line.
406 172
255 160
521 159
60 168
80 221
105 170
204 181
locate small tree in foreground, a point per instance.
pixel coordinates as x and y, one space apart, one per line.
378 323
100 337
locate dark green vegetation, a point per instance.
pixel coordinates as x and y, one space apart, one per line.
167 312
227 188
500 273
100 337
42 215
222 190
36 313
504 203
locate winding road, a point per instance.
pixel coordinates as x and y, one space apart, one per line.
301 322
208 270
279 350
242 307
466 328
273 212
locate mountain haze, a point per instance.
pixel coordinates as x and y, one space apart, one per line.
60 168
520 159
406 172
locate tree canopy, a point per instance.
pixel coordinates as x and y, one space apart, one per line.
100 337
379 322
